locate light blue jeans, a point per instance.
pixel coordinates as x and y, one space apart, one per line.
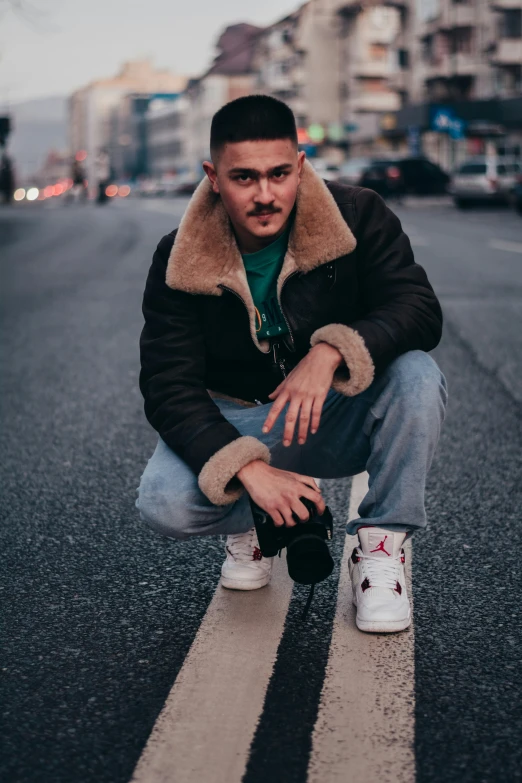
391 430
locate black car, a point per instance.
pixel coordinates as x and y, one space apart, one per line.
399 176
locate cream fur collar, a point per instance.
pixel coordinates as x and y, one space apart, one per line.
205 254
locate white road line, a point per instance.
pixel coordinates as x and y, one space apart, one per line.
365 727
204 732
510 247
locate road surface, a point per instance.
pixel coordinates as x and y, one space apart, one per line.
121 658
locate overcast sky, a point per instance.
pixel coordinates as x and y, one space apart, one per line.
63 44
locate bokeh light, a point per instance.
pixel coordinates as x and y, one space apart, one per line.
111 190
32 194
124 190
49 191
81 155
19 194
58 189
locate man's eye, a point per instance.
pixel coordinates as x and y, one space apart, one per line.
243 177
279 174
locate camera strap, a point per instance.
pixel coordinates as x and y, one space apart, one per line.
308 602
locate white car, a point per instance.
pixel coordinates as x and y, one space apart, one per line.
485 179
328 171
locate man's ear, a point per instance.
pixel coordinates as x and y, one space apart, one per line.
211 173
300 163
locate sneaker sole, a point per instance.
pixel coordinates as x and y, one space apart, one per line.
384 626
243 584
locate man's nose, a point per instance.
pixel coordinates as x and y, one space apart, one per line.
263 194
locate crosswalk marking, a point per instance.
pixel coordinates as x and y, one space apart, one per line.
365 726
205 729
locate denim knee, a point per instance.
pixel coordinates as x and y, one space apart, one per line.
165 509
420 379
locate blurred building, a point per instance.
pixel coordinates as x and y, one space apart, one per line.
296 60
371 72
166 136
464 82
231 76
100 117
335 63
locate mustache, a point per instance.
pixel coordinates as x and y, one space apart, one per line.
264 211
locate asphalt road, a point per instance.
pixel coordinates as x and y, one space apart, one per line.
98 614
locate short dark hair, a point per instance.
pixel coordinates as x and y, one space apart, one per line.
252 118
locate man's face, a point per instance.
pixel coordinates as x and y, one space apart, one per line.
257 182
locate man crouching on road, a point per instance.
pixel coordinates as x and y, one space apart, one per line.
286 325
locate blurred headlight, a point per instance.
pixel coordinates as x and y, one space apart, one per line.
19 194
32 194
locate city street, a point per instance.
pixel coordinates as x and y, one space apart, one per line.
105 624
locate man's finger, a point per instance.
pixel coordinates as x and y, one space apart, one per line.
277 519
316 499
309 481
317 409
290 421
289 520
301 511
304 420
275 410
276 390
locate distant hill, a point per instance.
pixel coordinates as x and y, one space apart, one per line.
38 126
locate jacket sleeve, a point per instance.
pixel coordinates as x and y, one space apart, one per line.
172 381
402 312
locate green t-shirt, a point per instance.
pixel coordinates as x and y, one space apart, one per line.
262 270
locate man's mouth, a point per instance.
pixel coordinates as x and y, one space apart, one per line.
264 214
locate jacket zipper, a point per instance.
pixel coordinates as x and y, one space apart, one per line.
231 290
278 361
281 308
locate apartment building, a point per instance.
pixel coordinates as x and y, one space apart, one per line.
466 60
371 70
230 76
297 59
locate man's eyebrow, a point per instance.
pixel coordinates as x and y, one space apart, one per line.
239 170
255 172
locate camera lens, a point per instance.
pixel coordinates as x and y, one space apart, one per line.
309 560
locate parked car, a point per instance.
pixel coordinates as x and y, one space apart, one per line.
416 176
485 179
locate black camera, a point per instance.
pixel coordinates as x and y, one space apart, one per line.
307 555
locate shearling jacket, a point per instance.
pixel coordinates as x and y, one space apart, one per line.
348 279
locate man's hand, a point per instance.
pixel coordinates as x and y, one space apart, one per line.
305 388
278 491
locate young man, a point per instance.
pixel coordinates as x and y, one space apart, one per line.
284 338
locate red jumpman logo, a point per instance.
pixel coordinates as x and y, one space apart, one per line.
381 548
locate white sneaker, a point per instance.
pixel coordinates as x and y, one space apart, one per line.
245 567
379 582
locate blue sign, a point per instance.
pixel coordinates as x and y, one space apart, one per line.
444 120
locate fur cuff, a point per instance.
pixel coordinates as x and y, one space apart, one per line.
355 354
217 479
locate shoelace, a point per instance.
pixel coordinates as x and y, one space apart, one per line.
381 572
241 546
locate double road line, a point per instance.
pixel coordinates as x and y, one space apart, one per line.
364 723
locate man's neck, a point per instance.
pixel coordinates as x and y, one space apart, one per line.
248 243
